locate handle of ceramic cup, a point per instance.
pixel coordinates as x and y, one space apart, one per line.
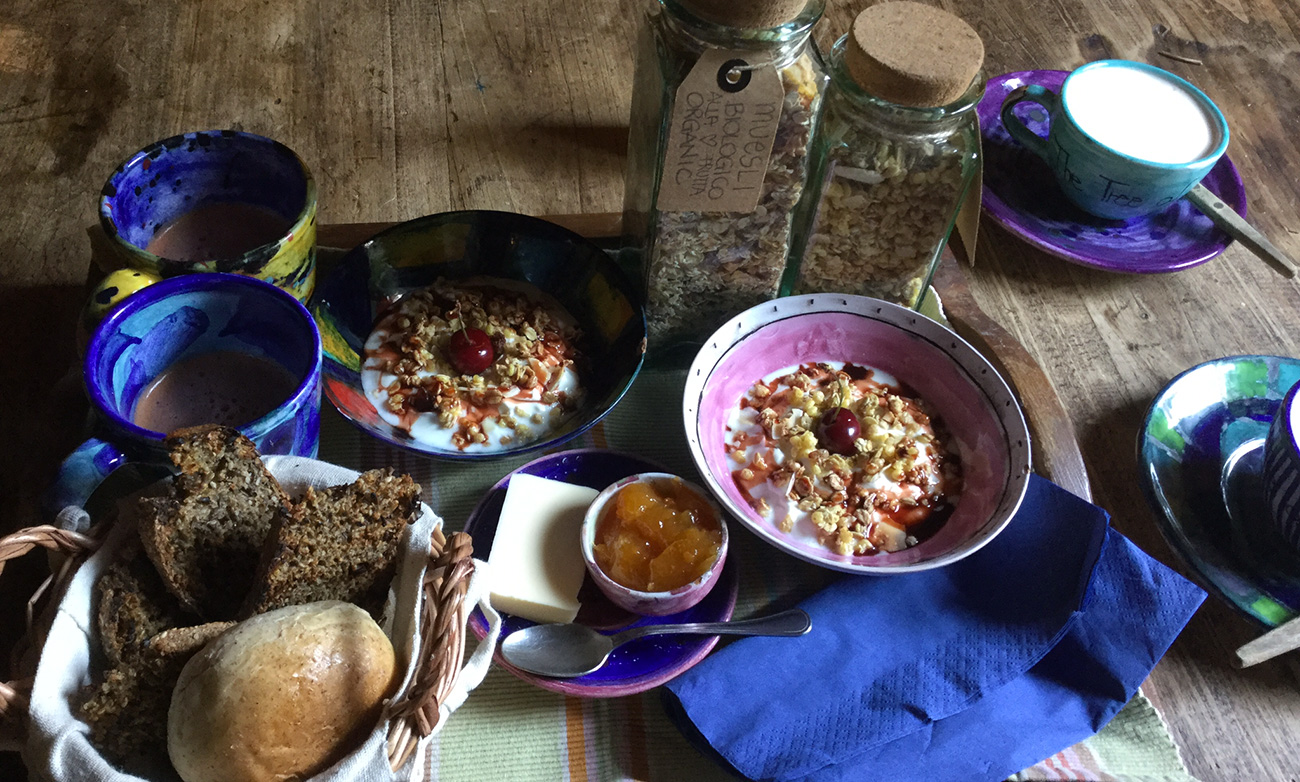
81 473
1033 93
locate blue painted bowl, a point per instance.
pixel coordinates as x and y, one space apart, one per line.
504 245
636 666
1200 452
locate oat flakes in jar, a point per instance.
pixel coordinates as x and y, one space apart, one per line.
723 108
897 150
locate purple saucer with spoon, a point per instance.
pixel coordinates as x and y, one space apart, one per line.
1021 194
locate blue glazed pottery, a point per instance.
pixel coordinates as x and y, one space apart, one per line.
178 175
1201 454
502 245
1282 470
175 320
1097 178
637 666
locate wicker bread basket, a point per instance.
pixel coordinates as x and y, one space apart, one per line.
416 712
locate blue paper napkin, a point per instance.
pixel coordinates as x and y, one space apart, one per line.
969 672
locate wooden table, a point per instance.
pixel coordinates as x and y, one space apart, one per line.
412 107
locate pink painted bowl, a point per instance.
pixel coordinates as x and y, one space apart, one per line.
635 600
958 383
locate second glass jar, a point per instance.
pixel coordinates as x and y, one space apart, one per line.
886 182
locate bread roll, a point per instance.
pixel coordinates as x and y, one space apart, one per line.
283 695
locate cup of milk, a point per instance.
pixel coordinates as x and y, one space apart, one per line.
1125 138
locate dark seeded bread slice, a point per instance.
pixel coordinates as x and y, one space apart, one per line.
206 536
132 606
179 643
127 710
339 543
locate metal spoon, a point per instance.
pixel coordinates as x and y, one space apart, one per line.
566 650
1236 226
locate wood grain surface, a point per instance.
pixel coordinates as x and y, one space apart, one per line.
407 108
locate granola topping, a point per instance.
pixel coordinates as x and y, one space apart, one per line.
530 389
895 489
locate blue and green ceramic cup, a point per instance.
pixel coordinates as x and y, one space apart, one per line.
174 321
177 176
1098 177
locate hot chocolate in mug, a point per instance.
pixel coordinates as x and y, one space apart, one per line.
208 201
192 350
1125 138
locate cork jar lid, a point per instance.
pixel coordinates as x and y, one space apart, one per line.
913 54
752 15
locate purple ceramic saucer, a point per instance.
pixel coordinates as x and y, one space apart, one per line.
638 665
1021 195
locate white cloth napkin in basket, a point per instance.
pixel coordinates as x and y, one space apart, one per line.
57 747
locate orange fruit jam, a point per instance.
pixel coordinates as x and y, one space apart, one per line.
657 537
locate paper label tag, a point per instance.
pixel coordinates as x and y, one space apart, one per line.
720 140
968 217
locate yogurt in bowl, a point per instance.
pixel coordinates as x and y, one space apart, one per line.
517 258
519 385
842 455
966 482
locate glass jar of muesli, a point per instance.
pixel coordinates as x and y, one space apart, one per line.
897 149
723 107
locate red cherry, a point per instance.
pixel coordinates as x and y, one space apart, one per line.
471 351
838 429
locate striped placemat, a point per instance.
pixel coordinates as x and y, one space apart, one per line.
511 730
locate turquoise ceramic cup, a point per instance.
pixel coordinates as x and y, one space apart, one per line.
1115 153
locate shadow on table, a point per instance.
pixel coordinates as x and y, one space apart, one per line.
42 415
598 151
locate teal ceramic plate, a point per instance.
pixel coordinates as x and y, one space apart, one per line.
456 245
1199 453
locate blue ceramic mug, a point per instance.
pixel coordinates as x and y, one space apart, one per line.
1282 469
208 201
184 346
256 198
1125 138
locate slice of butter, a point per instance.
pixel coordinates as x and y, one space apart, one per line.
536 559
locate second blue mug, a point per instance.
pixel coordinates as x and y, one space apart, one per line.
206 346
